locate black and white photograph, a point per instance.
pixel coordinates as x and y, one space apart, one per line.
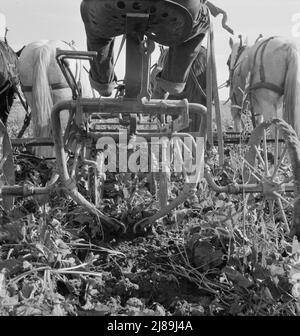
150 161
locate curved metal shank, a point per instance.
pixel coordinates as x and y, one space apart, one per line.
89 106
68 184
190 185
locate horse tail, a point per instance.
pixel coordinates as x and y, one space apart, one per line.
42 99
291 98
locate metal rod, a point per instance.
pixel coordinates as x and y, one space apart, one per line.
67 183
32 142
114 106
25 191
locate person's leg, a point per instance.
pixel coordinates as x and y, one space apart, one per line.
173 77
102 75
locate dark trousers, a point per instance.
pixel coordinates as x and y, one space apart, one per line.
174 75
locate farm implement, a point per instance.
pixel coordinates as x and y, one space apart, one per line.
103 129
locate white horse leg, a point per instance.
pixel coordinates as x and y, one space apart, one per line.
35 129
266 105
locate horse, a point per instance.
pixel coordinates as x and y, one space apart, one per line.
9 79
266 75
195 87
43 85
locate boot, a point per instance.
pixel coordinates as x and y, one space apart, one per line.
159 93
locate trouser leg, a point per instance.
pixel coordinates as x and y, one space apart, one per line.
102 75
175 72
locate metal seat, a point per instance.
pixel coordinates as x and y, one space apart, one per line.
169 22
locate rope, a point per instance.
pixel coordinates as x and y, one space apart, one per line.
223 85
27 118
3 48
8 63
195 79
5 88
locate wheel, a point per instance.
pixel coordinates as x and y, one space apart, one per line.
272 167
7 171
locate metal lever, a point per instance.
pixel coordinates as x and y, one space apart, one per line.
146 48
85 55
62 56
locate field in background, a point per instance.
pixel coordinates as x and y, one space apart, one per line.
16 120
17 115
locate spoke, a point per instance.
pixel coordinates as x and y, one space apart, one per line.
280 161
254 169
271 209
288 180
279 202
283 199
276 146
256 177
266 152
259 156
287 207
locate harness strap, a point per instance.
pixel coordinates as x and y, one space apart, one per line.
261 67
27 114
55 86
259 85
198 85
5 87
267 85
6 61
263 84
236 62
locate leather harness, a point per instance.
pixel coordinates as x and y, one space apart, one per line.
263 84
55 86
8 66
231 74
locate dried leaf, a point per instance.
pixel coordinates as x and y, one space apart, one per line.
296 291
295 246
12 266
3 291
237 277
26 291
